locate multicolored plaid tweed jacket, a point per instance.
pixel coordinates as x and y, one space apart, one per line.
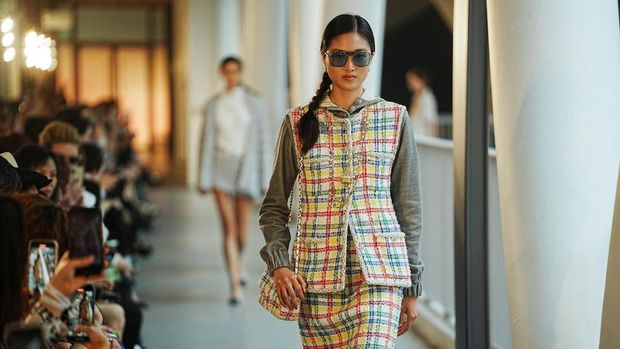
344 184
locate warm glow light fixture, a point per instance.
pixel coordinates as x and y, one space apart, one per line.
8 39
7 25
9 54
39 51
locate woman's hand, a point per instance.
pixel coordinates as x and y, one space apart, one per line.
97 339
408 314
289 286
108 181
98 316
75 190
64 278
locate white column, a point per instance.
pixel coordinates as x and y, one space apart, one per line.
374 12
196 76
228 28
264 52
305 68
554 70
206 32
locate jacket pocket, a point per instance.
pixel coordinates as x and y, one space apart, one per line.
384 256
321 262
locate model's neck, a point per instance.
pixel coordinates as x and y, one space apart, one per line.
229 88
345 99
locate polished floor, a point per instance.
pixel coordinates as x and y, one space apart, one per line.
185 284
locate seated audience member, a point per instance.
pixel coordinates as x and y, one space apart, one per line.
63 283
48 220
10 181
73 116
13 297
31 181
40 159
9 112
64 141
44 219
13 142
33 125
95 181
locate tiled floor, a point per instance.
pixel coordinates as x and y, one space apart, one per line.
185 284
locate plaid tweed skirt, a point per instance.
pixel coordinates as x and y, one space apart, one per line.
361 316
226 172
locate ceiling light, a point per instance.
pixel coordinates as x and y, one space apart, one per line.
9 54
7 25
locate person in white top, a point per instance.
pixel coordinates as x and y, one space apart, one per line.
423 107
235 162
232 121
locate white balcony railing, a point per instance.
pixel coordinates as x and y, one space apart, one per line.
437 250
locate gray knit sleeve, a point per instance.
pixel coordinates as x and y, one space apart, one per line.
274 212
407 201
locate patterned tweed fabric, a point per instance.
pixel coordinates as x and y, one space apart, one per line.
345 182
360 316
226 172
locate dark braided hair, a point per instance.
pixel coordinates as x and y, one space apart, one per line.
308 125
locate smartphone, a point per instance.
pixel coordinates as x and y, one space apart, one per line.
76 173
86 237
42 259
80 312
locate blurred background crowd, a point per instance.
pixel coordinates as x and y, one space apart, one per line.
55 159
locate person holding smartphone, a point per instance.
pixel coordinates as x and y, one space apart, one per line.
63 140
63 283
41 160
359 224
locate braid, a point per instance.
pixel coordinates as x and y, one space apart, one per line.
308 125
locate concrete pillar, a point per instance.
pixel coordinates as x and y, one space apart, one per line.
554 73
264 49
305 67
374 12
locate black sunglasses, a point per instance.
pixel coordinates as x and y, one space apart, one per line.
71 160
338 58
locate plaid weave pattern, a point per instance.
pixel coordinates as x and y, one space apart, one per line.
345 183
360 316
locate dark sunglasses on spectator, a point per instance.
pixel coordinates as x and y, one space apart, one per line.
338 58
73 160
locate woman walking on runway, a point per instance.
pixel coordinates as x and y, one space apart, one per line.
355 271
235 162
